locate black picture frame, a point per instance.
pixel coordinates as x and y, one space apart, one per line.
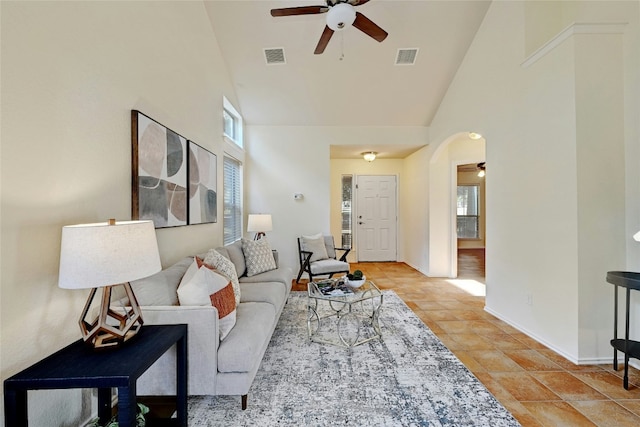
159 173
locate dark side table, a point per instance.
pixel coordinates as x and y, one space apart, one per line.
79 366
630 281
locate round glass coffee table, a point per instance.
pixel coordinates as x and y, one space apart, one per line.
344 316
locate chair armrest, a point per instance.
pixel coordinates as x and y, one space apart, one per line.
343 258
307 256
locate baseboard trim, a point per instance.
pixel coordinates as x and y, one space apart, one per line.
531 335
579 361
415 267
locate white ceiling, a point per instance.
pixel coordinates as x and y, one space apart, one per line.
364 88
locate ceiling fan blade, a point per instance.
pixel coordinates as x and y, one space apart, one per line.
368 27
324 40
301 10
358 2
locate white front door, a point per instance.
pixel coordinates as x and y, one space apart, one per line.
376 218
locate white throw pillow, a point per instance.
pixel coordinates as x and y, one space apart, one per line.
315 244
202 285
226 267
258 256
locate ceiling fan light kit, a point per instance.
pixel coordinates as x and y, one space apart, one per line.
340 16
482 167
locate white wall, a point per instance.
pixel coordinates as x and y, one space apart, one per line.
551 233
283 160
71 73
414 210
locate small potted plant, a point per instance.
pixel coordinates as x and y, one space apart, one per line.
140 419
355 279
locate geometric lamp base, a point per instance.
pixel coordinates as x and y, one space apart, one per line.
110 329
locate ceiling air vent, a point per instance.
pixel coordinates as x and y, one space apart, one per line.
406 56
274 56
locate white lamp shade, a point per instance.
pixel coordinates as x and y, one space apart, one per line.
96 255
340 16
636 236
259 223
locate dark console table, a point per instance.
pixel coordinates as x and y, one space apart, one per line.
628 280
79 366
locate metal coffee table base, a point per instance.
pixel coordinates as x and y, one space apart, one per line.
353 319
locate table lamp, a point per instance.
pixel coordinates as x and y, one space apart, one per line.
259 223
106 255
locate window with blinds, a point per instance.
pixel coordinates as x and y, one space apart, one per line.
232 221
468 211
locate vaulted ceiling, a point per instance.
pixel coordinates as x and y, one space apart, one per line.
355 82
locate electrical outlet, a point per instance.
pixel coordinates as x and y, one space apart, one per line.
529 299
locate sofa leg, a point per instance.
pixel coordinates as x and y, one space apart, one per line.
244 402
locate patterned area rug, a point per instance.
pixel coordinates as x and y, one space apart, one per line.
409 378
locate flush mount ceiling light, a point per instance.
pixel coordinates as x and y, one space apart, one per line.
340 16
474 135
369 156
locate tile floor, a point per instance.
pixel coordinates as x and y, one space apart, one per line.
538 386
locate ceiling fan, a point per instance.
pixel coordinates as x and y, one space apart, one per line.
340 14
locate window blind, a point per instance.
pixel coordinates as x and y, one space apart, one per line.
232 220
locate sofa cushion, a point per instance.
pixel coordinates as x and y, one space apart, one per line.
201 286
226 267
159 289
258 256
281 274
329 266
272 292
315 244
240 351
330 246
233 251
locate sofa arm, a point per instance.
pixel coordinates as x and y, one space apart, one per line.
203 342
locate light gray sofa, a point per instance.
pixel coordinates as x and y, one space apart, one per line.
216 367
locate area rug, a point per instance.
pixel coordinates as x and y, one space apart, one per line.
407 378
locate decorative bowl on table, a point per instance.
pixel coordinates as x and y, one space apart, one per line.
355 283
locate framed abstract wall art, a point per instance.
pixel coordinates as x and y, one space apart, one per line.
159 173
203 172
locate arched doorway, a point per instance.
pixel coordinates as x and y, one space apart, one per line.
458 149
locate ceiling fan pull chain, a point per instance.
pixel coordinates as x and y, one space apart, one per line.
341 45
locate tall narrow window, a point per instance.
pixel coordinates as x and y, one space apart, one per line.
229 124
232 225
468 212
347 187
232 123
